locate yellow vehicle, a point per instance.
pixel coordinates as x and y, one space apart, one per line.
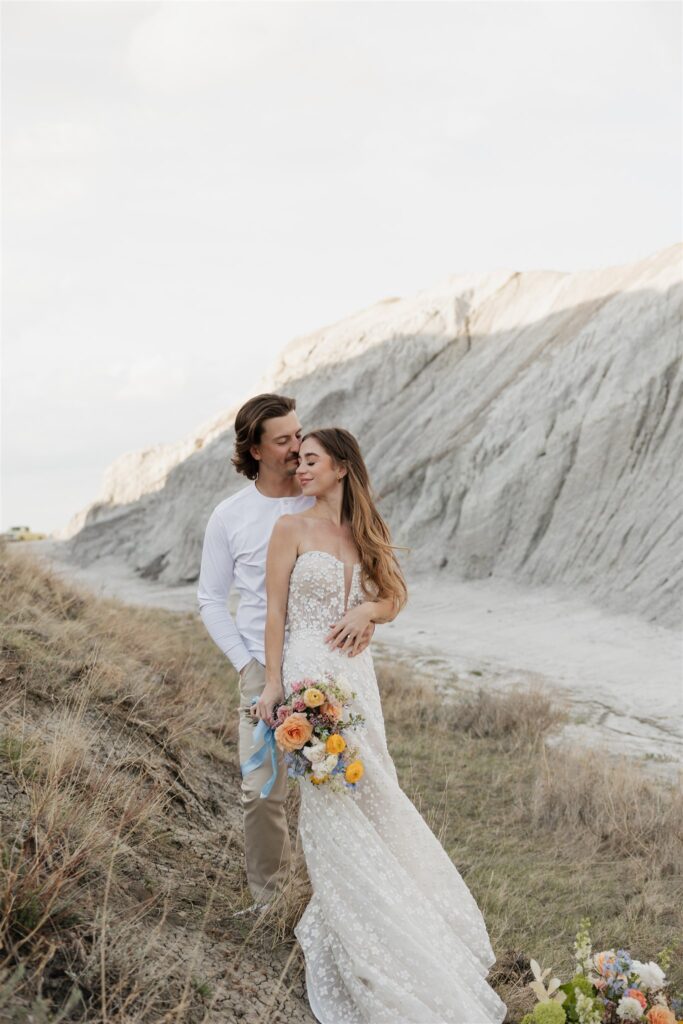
22 533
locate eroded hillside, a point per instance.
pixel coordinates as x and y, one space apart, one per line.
521 425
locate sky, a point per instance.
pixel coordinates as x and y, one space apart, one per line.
187 187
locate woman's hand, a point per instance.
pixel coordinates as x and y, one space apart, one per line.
272 694
348 634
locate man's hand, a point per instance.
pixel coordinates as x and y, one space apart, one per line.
273 693
353 632
365 638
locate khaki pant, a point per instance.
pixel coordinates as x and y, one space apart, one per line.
266 837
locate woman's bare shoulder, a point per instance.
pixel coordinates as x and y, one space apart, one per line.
291 526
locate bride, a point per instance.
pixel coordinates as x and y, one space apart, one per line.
392 933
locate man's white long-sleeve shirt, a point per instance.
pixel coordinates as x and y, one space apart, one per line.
234 551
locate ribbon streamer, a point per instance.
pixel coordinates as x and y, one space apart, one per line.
262 732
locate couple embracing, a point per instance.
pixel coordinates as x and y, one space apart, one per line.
391 933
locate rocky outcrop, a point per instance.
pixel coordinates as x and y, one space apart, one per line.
522 425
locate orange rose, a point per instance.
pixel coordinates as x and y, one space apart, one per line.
354 772
332 710
635 993
602 960
335 744
313 697
294 732
660 1015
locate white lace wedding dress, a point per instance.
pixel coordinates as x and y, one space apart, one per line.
392 934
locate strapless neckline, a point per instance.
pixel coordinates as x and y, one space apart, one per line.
348 582
315 551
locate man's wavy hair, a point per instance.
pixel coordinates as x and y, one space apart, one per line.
249 428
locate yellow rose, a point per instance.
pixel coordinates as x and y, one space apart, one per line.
294 732
313 698
335 743
318 782
354 771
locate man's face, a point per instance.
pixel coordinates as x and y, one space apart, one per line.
278 450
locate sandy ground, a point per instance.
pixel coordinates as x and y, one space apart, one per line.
620 678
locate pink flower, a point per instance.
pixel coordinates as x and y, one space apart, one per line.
282 712
299 705
297 687
635 993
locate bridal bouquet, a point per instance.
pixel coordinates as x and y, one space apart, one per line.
314 734
607 988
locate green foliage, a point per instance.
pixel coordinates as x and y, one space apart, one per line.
581 982
202 987
19 755
549 1013
28 913
663 958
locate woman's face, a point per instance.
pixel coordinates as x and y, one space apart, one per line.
317 473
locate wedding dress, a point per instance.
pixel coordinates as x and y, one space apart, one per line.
392 933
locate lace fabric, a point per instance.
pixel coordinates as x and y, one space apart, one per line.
392 933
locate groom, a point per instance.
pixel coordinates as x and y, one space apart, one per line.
267 440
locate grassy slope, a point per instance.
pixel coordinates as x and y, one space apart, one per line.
121 844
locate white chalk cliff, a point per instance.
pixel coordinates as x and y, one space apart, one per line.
519 425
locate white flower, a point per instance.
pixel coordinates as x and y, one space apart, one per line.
583 948
629 1009
342 683
325 766
650 975
586 1010
315 752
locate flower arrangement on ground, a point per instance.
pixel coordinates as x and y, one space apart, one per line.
607 988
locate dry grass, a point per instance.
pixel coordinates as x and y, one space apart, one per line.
543 835
518 718
121 858
611 807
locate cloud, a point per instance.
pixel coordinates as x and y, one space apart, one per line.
151 379
188 47
45 167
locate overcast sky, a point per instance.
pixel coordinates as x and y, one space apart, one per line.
188 186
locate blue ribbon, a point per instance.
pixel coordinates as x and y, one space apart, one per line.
262 732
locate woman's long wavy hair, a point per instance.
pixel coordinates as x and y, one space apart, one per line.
380 571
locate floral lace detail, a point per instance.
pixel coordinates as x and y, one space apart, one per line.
392 933
316 592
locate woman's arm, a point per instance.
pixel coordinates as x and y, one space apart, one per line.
282 554
383 610
347 634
